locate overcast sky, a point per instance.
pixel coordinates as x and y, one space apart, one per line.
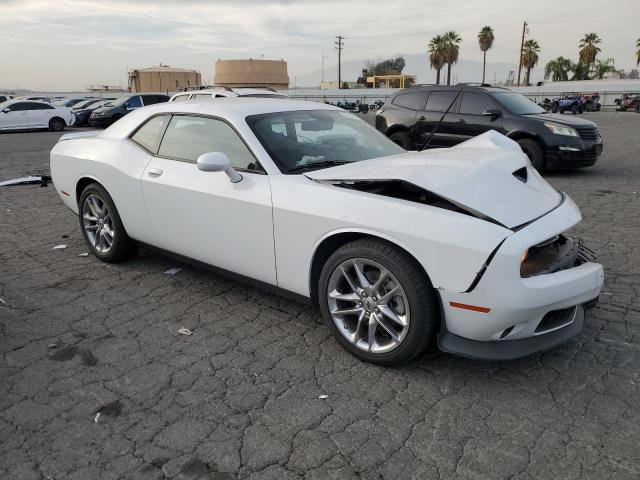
68 44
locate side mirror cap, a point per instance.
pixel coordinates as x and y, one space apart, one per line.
218 162
493 112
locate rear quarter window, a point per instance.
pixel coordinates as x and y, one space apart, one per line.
148 135
439 101
412 100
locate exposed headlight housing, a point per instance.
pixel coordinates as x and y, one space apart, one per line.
558 129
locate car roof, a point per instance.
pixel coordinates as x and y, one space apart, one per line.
459 86
234 109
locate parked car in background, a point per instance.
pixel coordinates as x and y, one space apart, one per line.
83 110
34 99
409 116
466 245
69 102
19 114
116 109
222 92
5 98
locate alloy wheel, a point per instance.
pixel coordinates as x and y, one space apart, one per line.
368 305
98 223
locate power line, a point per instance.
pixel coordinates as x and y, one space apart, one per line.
339 45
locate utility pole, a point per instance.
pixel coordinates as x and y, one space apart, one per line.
524 28
339 46
323 57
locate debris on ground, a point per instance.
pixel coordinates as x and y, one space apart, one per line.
52 345
85 254
172 271
65 236
185 331
30 180
324 396
60 247
2 301
96 417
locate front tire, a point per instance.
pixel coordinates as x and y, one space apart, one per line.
56 124
101 226
402 139
377 302
534 153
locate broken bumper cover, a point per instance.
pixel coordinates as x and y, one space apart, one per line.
518 316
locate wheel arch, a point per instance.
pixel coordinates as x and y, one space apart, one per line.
521 134
395 129
334 240
83 182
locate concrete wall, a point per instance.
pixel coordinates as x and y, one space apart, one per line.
252 72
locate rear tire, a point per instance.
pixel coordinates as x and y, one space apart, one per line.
101 225
402 139
56 124
404 323
534 153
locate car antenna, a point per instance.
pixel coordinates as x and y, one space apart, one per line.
435 127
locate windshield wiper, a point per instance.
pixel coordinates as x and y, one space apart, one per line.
324 163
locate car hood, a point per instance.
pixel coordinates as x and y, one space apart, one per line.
569 120
477 175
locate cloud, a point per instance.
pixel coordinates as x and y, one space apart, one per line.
69 44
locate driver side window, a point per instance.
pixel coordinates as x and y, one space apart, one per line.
134 102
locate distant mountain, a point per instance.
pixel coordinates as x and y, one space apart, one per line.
418 64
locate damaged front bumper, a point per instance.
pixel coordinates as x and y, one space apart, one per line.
515 314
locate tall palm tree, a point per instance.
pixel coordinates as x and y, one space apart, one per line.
452 41
601 68
530 52
589 48
437 55
485 39
558 69
638 52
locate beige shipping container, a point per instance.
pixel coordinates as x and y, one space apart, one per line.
252 73
163 79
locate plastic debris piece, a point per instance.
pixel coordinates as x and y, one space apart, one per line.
85 254
97 417
185 331
2 301
65 236
60 247
172 271
324 396
26 181
52 345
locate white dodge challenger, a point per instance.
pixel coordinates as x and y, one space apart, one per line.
465 245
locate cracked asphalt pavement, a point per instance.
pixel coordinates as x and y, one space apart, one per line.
96 382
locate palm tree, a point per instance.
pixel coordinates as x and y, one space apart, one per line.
485 39
589 48
601 68
452 43
558 69
638 52
437 55
530 57
580 71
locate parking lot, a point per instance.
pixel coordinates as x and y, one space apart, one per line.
96 381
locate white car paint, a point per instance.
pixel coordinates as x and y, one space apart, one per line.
268 227
37 115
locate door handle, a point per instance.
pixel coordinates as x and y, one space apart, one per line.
462 121
155 172
422 117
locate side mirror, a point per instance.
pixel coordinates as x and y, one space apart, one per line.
493 112
6 110
218 162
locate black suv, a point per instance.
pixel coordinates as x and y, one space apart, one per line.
115 110
409 116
